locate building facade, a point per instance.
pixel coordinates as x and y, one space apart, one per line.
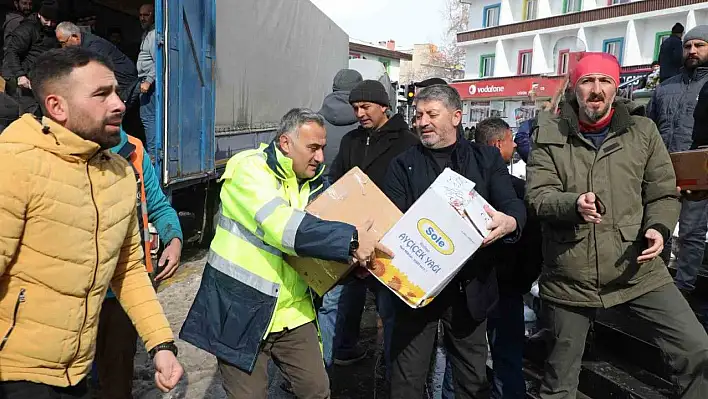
525 37
525 44
384 52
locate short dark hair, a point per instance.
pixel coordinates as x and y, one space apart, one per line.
677 28
655 63
57 64
446 94
489 130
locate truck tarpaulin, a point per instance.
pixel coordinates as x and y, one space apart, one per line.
273 55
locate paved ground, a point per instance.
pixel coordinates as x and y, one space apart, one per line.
202 380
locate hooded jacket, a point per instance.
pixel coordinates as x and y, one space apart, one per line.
339 120
69 230
372 151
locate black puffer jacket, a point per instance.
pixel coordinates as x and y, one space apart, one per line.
372 151
26 43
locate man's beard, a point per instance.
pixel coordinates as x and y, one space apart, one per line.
692 63
96 134
595 115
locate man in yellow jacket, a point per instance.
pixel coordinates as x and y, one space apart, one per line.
68 231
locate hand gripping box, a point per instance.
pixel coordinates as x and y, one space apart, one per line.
352 199
433 240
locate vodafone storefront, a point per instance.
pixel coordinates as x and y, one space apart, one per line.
513 98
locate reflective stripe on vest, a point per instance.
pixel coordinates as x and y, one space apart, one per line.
136 160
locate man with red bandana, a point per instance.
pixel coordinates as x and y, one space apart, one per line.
601 182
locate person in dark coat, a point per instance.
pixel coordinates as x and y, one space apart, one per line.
464 304
371 147
32 38
673 106
517 265
69 34
338 113
23 9
9 111
671 54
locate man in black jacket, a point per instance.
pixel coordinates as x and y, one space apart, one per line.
517 265
32 38
68 35
463 305
671 54
371 147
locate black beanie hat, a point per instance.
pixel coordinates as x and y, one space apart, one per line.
678 28
50 11
371 91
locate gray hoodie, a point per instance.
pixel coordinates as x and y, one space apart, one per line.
339 120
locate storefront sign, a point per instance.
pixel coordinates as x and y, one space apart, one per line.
521 86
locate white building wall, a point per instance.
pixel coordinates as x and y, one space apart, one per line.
476 18
598 34
512 48
544 9
517 9
472 59
638 34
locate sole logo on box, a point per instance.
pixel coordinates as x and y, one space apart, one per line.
439 240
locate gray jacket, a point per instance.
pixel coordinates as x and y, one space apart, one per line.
339 120
147 57
672 106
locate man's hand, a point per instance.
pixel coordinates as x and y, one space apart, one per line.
168 371
368 244
692 195
588 209
656 246
23 82
500 225
171 255
144 87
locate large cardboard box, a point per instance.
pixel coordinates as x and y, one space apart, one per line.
352 199
691 169
433 240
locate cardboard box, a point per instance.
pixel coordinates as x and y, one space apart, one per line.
691 168
433 240
352 199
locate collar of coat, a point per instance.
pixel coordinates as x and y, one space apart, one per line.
50 136
282 166
555 129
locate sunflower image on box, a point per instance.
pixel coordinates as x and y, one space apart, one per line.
433 240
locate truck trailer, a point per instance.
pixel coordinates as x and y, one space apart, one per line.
227 72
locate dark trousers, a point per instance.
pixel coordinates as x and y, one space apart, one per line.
677 332
505 330
116 345
298 356
413 342
27 390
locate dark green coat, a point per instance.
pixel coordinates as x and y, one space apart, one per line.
631 173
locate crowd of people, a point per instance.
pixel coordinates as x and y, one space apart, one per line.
590 223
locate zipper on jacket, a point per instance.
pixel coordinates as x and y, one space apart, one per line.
366 148
20 299
95 271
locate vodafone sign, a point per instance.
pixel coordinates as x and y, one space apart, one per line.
519 86
489 89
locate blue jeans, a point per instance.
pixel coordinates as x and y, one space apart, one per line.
147 116
506 332
693 225
340 316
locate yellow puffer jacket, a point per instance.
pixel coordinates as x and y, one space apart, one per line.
68 229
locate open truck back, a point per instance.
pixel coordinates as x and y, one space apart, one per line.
227 72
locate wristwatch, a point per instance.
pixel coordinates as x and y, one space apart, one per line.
354 243
165 346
